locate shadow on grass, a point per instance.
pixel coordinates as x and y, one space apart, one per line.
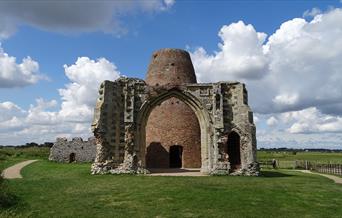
272 174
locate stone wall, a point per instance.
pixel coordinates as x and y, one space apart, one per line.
220 108
124 106
75 150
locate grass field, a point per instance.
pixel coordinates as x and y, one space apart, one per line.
11 155
323 157
68 190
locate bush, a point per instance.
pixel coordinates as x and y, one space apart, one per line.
7 199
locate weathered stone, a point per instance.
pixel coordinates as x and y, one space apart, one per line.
225 122
75 150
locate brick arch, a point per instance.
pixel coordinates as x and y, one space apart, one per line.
201 113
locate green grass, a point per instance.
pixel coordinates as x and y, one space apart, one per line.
68 190
323 157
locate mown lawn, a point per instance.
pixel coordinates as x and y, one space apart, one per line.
324 157
68 190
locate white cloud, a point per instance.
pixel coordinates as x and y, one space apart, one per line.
240 55
311 13
305 128
293 77
8 110
255 119
267 139
73 16
45 120
299 66
39 115
272 121
286 99
311 120
80 95
13 74
169 3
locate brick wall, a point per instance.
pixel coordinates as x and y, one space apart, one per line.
173 122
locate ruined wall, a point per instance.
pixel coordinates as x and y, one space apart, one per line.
82 151
121 121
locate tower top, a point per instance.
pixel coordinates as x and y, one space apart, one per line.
170 67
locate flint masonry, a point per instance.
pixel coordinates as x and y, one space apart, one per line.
170 120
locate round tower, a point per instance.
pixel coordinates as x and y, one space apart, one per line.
172 131
170 67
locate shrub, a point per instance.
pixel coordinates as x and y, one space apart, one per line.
7 199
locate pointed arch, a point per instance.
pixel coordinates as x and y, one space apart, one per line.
200 112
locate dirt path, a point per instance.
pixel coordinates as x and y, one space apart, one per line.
13 172
336 179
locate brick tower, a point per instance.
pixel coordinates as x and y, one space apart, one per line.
172 131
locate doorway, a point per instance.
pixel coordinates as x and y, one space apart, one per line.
233 148
175 155
72 157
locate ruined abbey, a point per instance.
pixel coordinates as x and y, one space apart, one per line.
171 121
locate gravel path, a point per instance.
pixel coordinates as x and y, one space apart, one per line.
13 172
336 179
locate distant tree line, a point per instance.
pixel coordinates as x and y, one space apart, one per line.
29 145
284 149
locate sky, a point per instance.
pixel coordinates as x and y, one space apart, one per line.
54 54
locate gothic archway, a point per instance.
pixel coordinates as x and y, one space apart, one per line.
201 113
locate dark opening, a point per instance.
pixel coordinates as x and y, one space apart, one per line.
72 157
218 101
157 156
234 150
176 156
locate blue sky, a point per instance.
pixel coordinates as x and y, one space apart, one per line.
124 34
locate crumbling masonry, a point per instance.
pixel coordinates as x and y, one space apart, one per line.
136 122
75 150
